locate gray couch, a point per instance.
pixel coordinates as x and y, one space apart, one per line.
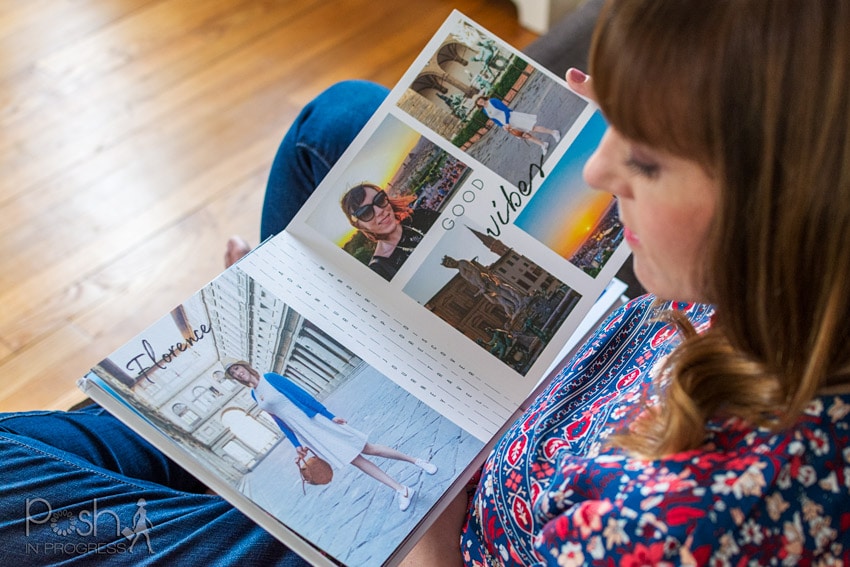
567 42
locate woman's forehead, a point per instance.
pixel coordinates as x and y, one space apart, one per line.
368 192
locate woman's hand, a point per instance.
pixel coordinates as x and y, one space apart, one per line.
580 83
339 420
301 452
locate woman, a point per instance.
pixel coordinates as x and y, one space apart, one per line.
709 425
388 222
684 433
719 437
519 124
310 426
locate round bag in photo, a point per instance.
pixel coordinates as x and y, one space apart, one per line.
314 470
518 133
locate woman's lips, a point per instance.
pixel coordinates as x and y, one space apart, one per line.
630 236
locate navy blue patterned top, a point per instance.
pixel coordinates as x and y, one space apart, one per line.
553 493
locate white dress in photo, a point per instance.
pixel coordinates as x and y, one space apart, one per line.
336 443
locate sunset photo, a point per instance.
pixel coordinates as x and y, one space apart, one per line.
576 222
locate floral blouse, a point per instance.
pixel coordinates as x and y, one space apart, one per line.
552 492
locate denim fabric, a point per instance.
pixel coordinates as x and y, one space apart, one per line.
319 135
76 484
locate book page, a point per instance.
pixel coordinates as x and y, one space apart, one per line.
173 381
411 356
507 249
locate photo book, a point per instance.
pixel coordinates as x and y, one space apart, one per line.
344 380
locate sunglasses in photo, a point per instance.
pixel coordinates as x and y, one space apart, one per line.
366 212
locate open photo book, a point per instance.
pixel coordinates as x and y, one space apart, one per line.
433 282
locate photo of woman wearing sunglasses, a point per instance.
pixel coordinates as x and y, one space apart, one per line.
390 223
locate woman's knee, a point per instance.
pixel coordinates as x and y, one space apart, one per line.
338 113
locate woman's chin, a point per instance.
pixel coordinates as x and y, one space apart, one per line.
654 284
668 291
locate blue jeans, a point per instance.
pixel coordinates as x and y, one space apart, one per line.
81 487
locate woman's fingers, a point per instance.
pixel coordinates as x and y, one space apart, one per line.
581 83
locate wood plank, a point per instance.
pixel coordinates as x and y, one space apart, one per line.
189 103
158 285
145 283
36 27
29 315
46 371
78 100
137 135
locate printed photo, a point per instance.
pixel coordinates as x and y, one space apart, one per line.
491 103
498 298
389 197
567 216
292 419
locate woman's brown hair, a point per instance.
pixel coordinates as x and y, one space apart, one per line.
756 92
250 369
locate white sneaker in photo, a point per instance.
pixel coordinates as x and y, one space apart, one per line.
545 148
429 468
405 497
556 136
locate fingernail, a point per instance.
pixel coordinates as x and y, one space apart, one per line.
576 75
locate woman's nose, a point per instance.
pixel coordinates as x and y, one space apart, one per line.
603 171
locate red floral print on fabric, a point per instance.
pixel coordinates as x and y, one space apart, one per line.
553 493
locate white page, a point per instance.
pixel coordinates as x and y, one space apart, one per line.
387 322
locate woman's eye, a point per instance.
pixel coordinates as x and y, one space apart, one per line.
647 169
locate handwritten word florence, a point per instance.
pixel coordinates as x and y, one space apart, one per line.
137 363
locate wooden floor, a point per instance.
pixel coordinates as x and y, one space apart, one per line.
137 136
